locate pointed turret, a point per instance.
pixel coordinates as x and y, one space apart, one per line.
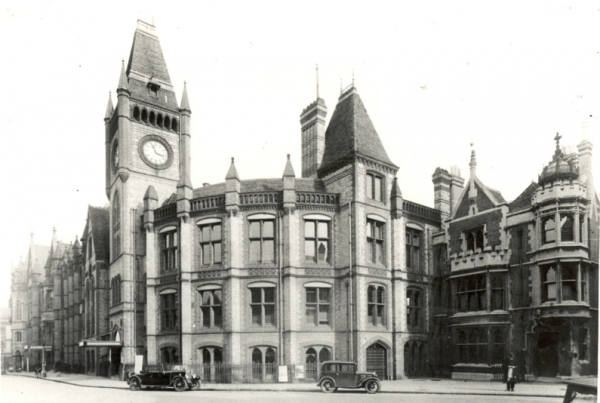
396 199
232 172
109 108
185 103
232 189
123 84
350 134
76 247
289 170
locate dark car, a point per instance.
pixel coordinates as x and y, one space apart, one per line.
342 374
156 376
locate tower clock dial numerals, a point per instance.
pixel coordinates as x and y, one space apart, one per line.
155 152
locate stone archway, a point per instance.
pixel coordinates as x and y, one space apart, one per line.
377 360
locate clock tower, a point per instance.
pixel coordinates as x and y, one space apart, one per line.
147 144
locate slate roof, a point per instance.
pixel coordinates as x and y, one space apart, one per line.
40 255
497 195
523 201
262 185
99 218
351 132
146 59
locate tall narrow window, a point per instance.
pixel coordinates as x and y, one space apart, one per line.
374 187
376 304
262 241
549 284
569 283
318 301
316 241
116 226
583 350
169 312
474 239
18 336
262 306
463 356
498 294
413 307
169 251
169 355
413 248
548 230
566 228
19 310
498 346
584 280
375 240
211 308
210 244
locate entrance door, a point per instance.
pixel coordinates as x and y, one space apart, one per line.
377 360
547 354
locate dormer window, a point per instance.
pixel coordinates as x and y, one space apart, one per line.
153 88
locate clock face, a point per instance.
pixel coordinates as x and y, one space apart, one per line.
156 152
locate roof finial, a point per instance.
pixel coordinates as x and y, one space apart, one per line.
557 152
317 81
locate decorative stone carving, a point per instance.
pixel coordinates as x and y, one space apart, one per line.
210 274
262 272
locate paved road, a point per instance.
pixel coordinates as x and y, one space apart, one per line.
20 389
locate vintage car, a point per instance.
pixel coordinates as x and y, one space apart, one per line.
342 374
156 376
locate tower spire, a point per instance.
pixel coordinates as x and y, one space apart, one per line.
109 107
317 81
122 77
185 103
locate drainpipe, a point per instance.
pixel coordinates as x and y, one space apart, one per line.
280 291
350 288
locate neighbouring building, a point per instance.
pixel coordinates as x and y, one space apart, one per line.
335 264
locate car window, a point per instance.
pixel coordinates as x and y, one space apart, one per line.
346 368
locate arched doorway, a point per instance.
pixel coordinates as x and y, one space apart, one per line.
257 365
314 360
18 361
377 360
415 359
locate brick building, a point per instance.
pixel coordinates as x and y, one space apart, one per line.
334 264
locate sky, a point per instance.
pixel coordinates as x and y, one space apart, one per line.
435 76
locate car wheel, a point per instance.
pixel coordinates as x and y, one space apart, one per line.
372 386
327 386
195 384
134 384
179 385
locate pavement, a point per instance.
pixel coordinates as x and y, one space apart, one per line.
405 386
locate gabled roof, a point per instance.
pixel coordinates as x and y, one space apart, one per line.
98 220
38 255
351 132
487 198
147 66
523 201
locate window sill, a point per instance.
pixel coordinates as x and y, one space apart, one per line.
210 266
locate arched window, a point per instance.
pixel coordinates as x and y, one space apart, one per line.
413 248
315 356
548 230
169 355
152 118
136 113
145 115
376 302
159 120
174 125
167 122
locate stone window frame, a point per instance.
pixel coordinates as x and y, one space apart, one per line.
169 249
375 305
547 231
263 304
414 313
478 235
318 286
210 223
116 286
116 226
211 308
371 191
262 218
168 300
18 337
413 231
319 359
172 351
319 219
376 235
469 287
474 343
